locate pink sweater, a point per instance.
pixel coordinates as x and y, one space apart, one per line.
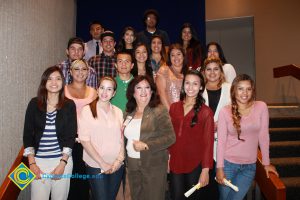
255 131
104 133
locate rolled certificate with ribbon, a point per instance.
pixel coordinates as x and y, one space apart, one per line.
192 190
229 184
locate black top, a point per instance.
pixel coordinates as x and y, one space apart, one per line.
35 121
213 98
145 37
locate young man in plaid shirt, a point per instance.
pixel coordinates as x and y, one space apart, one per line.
104 64
75 51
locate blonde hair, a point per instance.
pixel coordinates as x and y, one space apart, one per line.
220 65
78 61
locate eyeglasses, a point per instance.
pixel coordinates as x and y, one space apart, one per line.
80 69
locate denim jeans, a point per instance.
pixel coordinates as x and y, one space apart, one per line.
105 186
240 175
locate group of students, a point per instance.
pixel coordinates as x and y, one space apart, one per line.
176 113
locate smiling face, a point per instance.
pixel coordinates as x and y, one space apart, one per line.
108 44
79 71
212 72
142 92
106 90
176 57
54 83
186 34
124 63
75 52
156 45
141 54
192 85
243 93
129 37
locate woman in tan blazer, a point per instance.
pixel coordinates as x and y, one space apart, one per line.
149 132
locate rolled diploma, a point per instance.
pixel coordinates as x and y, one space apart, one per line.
235 188
192 190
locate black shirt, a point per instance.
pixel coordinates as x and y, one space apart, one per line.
214 98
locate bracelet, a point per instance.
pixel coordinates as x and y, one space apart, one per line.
34 163
64 161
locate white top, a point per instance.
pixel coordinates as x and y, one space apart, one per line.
90 48
229 72
133 132
224 101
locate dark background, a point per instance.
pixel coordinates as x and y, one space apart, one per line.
115 15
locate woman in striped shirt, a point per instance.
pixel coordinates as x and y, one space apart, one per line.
49 135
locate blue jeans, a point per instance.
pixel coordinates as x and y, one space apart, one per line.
104 186
240 175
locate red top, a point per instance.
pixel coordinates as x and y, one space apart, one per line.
194 64
194 145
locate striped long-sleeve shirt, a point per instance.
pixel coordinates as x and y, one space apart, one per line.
49 147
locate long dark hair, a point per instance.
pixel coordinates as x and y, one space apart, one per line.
42 94
131 104
93 104
149 70
121 45
199 99
220 51
163 51
236 116
194 45
180 48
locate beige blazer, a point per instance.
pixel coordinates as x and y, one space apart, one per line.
158 133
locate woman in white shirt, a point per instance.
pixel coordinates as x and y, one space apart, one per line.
213 49
216 95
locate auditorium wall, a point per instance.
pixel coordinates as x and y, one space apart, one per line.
33 36
277 41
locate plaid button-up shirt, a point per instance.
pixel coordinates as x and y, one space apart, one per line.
103 65
90 81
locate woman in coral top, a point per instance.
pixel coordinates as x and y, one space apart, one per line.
191 156
100 134
242 126
82 95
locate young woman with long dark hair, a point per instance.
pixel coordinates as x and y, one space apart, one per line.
242 127
191 156
49 135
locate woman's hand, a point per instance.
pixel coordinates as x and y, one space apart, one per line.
139 146
115 166
270 169
204 177
220 176
105 167
58 171
36 170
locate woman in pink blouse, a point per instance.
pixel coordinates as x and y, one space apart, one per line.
242 126
169 77
82 95
100 135
191 156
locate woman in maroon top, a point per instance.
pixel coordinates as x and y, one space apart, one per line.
191 156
